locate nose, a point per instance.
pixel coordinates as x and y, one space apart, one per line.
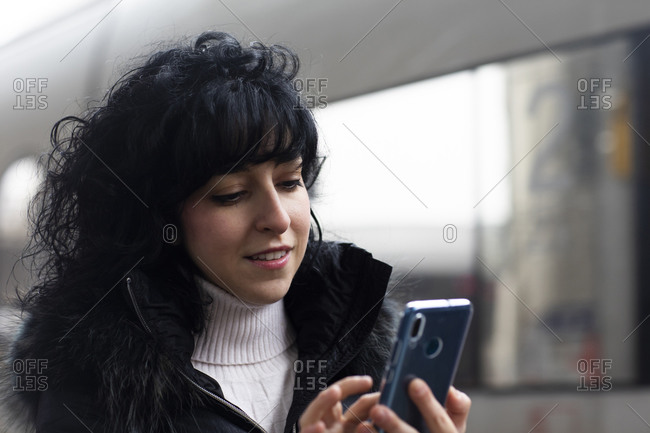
272 216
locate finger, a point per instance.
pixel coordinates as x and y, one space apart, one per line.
352 385
318 427
334 415
360 410
458 405
322 404
387 420
435 416
365 427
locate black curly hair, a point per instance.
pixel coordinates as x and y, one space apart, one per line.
116 178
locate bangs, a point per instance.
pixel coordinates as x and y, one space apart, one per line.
248 125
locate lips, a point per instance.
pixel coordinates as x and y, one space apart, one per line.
272 258
270 253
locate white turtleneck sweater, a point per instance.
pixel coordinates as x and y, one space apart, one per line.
250 350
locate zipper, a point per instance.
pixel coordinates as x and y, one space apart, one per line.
222 401
215 397
136 307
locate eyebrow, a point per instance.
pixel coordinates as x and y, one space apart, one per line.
298 164
295 163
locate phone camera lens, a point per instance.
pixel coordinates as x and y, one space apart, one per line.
417 327
433 347
415 330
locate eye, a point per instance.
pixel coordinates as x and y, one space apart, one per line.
291 184
228 198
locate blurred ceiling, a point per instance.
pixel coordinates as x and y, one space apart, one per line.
357 46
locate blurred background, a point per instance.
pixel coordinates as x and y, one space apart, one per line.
494 150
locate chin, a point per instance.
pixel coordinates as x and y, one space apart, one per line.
261 301
268 295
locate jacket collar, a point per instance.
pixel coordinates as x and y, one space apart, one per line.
332 305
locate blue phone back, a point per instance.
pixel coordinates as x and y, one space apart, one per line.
432 354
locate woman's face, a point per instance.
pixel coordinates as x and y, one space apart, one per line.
247 231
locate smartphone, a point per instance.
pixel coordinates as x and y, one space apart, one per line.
428 345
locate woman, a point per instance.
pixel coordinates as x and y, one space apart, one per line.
182 288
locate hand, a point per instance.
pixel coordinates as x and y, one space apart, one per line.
325 414
453 419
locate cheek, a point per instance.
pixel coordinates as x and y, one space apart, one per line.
301 220
205 232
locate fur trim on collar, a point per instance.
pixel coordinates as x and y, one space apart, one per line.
15 413
98 353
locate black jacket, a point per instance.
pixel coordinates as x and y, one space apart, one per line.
125 365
